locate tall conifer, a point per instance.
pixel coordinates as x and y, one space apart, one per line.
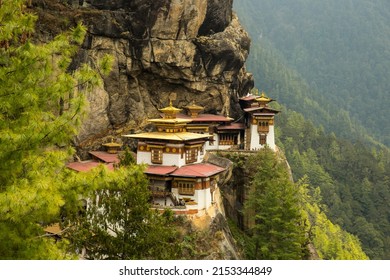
276 222
34 131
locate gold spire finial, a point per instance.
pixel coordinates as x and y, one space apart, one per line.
194 109
263 99
112 147
170 111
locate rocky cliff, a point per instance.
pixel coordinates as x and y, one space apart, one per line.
185 50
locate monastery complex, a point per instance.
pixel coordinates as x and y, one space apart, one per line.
174 151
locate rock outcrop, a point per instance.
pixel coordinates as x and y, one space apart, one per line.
185 50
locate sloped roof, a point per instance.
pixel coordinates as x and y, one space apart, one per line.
160 169
105 157
203 118
206 118
198 170
201 170
261 109
84 166
178 136
232 126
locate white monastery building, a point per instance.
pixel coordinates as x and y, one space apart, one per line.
174 151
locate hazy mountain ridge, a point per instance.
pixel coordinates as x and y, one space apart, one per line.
341 48
324 132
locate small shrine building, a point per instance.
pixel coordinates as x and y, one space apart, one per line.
259 122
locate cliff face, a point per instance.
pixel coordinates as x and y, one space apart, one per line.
185 50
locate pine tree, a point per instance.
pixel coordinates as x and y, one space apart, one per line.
34 130
276 222
118 222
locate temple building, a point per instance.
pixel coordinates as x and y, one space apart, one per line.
178 177
225 133
259 122
174 151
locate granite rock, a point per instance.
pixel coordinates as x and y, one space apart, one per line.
185 50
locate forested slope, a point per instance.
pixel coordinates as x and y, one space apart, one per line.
340 47
352 178
326 68
284 220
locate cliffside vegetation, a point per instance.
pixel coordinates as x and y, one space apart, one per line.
35 130
356 173
353 179
119 224
322 128
352 175
286 220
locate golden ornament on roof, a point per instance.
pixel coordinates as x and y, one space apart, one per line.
194 109
263 98
112 147
170 111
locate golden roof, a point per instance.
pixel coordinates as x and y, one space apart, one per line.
194 107
170 121
112 144
263 98
177 136
170 111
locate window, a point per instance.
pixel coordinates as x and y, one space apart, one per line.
263 126
228 139
186 188
156 156
191 155
263 139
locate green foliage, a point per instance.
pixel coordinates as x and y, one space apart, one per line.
329 240
309 55
276 223
118 222
286 211
352 179
33 80
127 158
339 47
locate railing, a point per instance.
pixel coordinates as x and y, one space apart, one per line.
163 194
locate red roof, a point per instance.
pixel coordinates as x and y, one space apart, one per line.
85 166
198 170
261 109
232 126
105 157
160 169
206 118
211 118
